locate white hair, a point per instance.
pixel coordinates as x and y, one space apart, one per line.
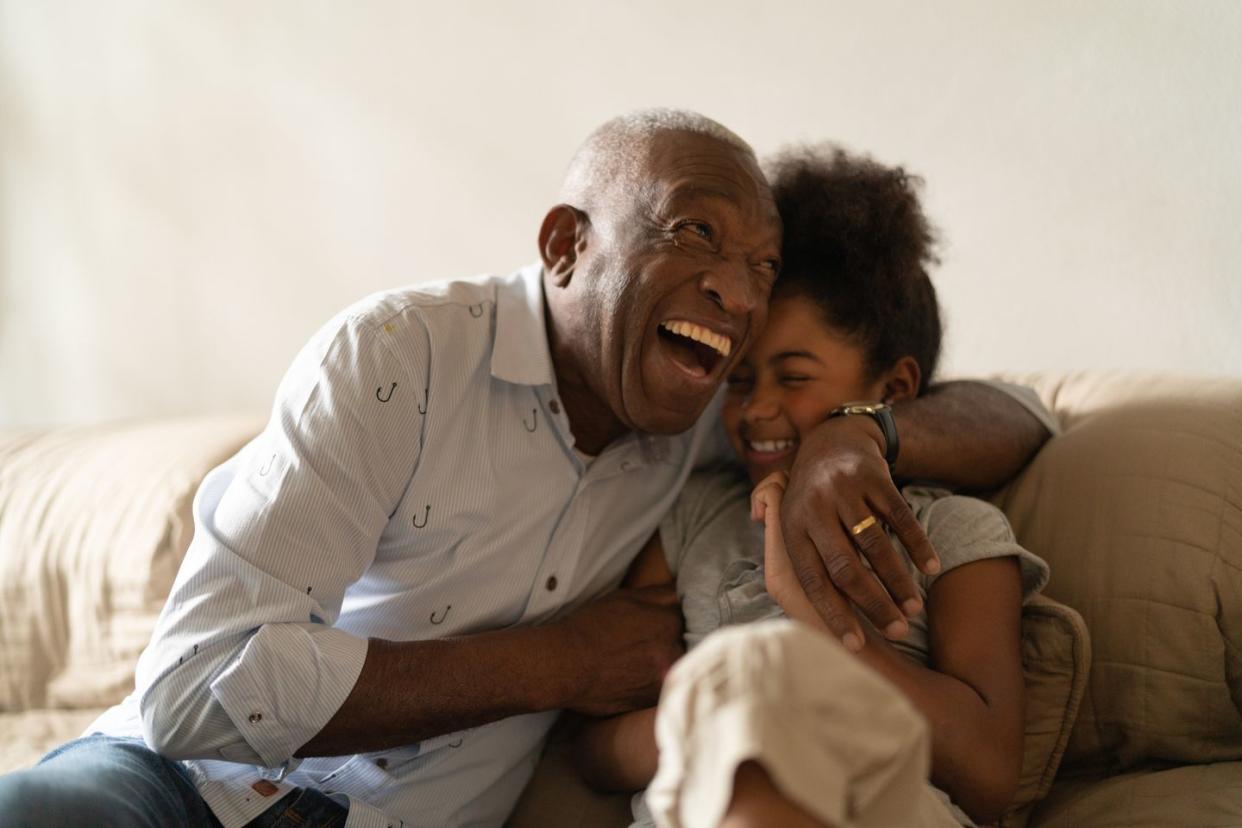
615 153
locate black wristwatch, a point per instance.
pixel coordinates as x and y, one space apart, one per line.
883 416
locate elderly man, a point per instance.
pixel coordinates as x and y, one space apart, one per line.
395 587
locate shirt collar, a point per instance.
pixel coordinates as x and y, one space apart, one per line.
520 356
520 349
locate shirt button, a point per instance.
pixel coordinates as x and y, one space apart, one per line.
255 718
555 406
381 763
551 584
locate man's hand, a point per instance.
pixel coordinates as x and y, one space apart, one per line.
838 481
622 646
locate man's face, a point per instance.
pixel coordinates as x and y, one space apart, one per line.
678 276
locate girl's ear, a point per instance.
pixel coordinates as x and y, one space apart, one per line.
902 380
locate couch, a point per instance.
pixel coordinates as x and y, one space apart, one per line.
1133 663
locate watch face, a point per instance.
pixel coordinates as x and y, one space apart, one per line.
862 407
882 414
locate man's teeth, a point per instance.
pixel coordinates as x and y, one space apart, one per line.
720 343
771 445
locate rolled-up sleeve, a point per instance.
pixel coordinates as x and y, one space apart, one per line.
276 703
246 664
1028 399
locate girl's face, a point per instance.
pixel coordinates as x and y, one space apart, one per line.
797 372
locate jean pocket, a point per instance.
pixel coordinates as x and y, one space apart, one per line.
302 808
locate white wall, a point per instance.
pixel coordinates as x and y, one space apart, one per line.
188 189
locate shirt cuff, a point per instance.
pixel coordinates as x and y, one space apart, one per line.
1028 399
288 682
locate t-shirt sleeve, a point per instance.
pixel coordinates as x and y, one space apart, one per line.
965 529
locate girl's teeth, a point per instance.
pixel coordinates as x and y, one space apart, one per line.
771 445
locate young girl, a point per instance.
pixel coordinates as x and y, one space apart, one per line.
853 318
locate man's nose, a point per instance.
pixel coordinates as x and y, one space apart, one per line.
730 287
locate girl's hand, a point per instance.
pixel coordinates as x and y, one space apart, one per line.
778 572
779 576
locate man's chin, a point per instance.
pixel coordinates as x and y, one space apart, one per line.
674 417
665 397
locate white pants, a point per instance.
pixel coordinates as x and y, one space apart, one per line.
837 739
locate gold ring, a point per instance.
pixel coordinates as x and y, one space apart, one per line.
863 525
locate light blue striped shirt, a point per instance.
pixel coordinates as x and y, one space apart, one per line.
417 479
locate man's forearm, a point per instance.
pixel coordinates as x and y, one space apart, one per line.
965 434
606 657
412 690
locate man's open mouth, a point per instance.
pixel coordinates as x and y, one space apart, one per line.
697 349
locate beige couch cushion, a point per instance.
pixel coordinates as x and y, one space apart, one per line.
1202 796
557 796
93 525
1056 661
1138 508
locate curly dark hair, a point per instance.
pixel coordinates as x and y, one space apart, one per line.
858 245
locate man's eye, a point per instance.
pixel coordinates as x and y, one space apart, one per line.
699 228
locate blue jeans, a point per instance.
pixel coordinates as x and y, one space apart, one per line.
109 781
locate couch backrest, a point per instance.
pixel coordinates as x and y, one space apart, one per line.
1138 509
93 525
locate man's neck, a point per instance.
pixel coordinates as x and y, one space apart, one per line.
591 419
592 423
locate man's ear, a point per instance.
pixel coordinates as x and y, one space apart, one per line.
902 380
562 237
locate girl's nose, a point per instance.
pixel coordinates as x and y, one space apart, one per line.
759 407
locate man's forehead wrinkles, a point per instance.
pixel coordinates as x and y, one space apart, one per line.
714 183
690 191
711 167
693 178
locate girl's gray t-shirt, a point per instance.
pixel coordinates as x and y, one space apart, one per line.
715 551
